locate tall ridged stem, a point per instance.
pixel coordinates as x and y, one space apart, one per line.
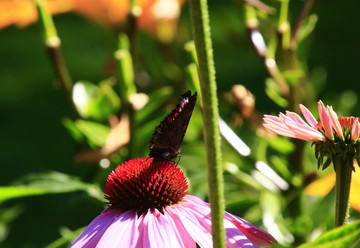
201 31
343 167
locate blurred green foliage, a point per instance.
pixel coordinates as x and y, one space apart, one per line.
45 195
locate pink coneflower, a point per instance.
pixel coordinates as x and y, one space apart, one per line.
149 207
336 139
331 135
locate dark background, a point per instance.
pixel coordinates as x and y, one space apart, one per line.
33 139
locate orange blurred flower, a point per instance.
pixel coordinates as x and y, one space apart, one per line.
110 13
323 186
23 12
159 17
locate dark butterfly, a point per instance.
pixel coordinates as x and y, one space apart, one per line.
166 140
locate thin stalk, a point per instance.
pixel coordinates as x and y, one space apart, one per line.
263 51
300 20
127 86
342 188
53 44
132 27
201 30
284 26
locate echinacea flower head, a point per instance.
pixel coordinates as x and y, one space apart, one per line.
148 206
332 136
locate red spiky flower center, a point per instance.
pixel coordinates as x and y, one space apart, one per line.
140 184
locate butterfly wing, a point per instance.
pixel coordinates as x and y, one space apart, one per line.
168 136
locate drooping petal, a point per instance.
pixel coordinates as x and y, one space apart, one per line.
293 126
325 120
308 116
178 225
355 130
199 230
255 234
159 232
123 231
335 122
304 132
277 125
96 229
235 238
296 118
239 233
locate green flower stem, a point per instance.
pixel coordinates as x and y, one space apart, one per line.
284 26
127 86
267 53
201 30
126 70
53 44
305 9
343 169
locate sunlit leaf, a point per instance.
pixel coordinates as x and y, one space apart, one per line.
341 237
10 192
307 27
47 183
95 133
273 92
96 102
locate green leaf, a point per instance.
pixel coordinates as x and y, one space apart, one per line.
105 101
95 133
273 92
307 27
127 85
10 192
341 237
7 215
67 238
73 129
92 132
96 102
282 145
47 183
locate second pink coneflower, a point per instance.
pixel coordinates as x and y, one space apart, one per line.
336 141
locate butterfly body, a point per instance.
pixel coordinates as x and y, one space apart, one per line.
166 140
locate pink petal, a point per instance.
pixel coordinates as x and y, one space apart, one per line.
277 126
355 130
256 235
184 235
239 232
296 118
293 126
281 131
308 116
235 237
335 123
158 231
199 231
305 132
122 231
325 120
96 229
